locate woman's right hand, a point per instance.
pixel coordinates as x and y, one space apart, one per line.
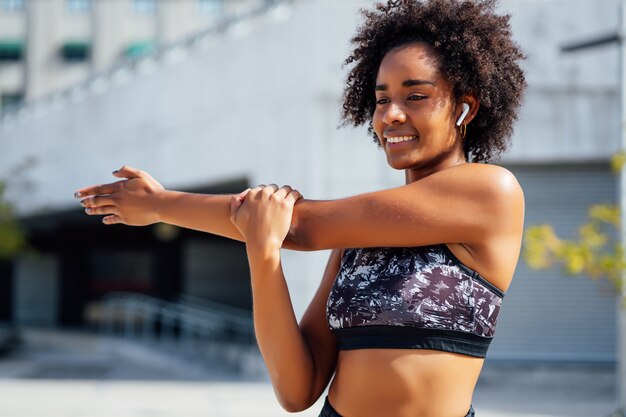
133 201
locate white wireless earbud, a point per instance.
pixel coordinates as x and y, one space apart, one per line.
466 109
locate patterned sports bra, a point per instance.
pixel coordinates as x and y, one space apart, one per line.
412 297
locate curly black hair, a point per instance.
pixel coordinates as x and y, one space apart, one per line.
476 52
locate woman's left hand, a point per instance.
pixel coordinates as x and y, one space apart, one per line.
263 214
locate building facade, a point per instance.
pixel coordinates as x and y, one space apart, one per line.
260 102
49 45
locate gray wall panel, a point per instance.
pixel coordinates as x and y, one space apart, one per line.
549 315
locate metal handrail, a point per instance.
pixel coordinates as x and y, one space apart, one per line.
206 333
159 320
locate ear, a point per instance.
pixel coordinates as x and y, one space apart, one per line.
474 105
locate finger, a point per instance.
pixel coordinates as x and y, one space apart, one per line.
102 210
235 203
97 201
113 219
98 189
293 196
256 190
297 194
270 189
282 192
242 195
130 172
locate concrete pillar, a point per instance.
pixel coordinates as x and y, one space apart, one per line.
44 39
109 31
168 20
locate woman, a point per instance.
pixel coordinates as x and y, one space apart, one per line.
409 300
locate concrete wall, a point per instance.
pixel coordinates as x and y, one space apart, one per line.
572 109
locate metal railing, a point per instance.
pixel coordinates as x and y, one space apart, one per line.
152 320
202 331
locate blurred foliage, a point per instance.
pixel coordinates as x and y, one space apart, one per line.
12 239
597 251
618 161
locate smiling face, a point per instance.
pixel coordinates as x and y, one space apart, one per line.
415 112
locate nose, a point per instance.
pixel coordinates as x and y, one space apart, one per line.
394 114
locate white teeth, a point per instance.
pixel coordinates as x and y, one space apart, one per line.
397 139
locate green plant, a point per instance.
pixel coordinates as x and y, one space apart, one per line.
12 239
597 251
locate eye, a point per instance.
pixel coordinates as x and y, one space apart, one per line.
415 97
382 100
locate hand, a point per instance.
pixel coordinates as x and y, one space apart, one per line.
132 201
263 214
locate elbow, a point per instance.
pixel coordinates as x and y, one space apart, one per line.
295 396
293 407
293 404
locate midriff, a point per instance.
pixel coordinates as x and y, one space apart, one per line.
403 383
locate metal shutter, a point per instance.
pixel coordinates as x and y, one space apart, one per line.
548 315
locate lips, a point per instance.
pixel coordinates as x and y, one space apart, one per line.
389 134
400 141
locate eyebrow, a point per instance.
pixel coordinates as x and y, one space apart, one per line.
407 83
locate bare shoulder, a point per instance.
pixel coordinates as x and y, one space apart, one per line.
503 198
493 186
498 189
487 179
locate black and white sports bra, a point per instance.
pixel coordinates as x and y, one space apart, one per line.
412 297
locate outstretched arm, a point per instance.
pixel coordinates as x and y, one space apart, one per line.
464 204
139 200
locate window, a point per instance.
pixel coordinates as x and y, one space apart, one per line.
77 6
12 5
75 51
214 7
144 6
139 49
10 100
11 50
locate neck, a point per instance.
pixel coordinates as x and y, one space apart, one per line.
416 174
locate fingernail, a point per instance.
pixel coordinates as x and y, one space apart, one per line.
77 194
87 210
82 203
116 171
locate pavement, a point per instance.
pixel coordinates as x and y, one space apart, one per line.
71 373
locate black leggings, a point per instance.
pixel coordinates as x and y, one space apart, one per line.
329 411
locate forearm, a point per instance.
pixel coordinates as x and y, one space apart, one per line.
211 213
203 212
284 349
